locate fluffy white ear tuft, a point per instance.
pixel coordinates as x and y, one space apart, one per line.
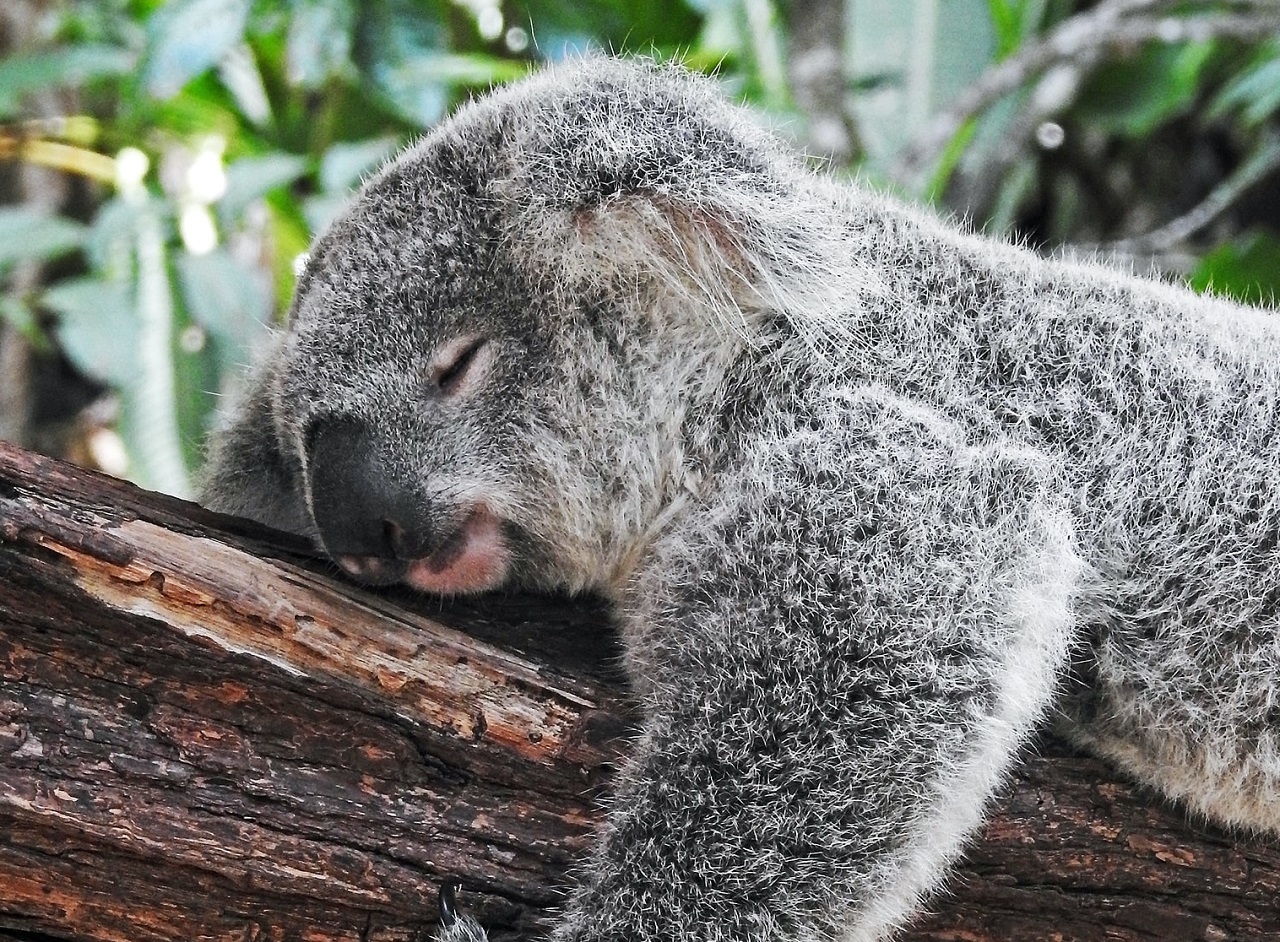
737 263
691 255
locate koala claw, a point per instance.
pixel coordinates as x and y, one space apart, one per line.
453 927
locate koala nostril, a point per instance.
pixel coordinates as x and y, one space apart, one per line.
395 539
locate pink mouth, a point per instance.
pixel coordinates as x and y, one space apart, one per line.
474 558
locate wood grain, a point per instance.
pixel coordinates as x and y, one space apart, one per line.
206 734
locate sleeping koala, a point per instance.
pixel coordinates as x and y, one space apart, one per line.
871 497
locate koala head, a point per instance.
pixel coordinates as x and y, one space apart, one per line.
503 358
408 380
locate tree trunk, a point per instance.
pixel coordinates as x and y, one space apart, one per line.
206 734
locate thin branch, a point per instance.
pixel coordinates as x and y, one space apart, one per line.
816 66
1067 55
1260 165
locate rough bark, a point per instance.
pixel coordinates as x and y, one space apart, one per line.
206 734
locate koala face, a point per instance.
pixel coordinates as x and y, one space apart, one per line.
404 390
505 359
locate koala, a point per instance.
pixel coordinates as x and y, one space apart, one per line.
873 498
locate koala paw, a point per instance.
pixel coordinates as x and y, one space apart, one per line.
455 928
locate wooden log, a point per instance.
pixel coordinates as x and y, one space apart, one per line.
205 733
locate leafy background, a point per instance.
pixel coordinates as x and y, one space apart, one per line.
164 164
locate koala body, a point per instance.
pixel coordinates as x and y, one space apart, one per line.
872 497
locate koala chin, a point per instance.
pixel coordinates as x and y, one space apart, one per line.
873 498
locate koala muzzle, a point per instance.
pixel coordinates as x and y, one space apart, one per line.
357 503
381 530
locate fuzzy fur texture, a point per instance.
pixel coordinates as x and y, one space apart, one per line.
872 497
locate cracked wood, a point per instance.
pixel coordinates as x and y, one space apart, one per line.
206 734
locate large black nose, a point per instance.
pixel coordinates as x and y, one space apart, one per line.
360 503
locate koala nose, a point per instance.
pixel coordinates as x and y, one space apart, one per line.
357 503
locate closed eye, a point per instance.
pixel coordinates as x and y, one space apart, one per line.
455 362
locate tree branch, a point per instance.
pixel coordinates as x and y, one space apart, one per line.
1064 58
1264 162
205 735
816 66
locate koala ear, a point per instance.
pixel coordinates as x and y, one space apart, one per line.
618 180
739 255
688 251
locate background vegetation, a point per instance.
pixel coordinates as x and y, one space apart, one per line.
163 164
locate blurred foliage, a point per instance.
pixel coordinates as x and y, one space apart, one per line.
213 138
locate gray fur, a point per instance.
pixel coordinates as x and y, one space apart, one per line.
873 497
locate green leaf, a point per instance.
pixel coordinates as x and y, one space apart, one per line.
322 209
1013 22
109 245
470 69
200 109
343 165
27 234
149 395
196 384
228 299
241 76
419 86
1135 97
59 68
561 26
933 51
290 238
220 312
17 313
1019 181
251 178
1256 92
395 34
1247 269
187 37
950 159
97 327
319 41
1007 24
